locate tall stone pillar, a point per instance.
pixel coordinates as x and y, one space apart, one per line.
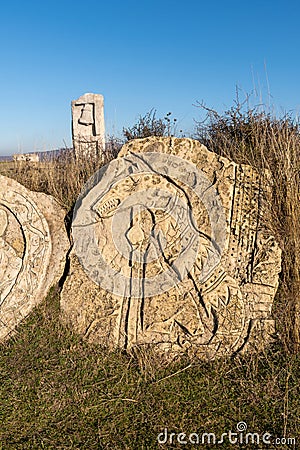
88 128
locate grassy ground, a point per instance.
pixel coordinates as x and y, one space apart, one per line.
57 392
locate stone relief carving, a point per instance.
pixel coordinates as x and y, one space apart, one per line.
10 257
33 244
170 250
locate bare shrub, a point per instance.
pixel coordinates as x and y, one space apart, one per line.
149 125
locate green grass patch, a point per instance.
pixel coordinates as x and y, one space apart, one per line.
59 392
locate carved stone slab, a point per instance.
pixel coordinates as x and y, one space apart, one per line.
170 250
88 124
33 245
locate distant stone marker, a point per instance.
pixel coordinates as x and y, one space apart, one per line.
170 249
27 157
33 245
88 124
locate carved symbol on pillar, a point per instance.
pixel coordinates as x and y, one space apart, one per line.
87 114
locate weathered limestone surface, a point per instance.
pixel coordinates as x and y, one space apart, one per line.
33 246
170 250
88 124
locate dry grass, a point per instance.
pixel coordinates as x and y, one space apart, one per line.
62 176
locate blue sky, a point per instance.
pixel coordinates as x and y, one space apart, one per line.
139 55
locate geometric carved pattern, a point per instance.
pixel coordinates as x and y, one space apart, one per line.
33 244
213 309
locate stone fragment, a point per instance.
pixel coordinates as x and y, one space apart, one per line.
33 246
170 250
88 124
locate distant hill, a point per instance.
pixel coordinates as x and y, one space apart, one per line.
42 155
6 158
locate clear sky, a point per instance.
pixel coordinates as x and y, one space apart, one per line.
140 55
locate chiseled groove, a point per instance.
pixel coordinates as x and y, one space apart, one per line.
199 293
215 283
108 207
233 200
126 323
